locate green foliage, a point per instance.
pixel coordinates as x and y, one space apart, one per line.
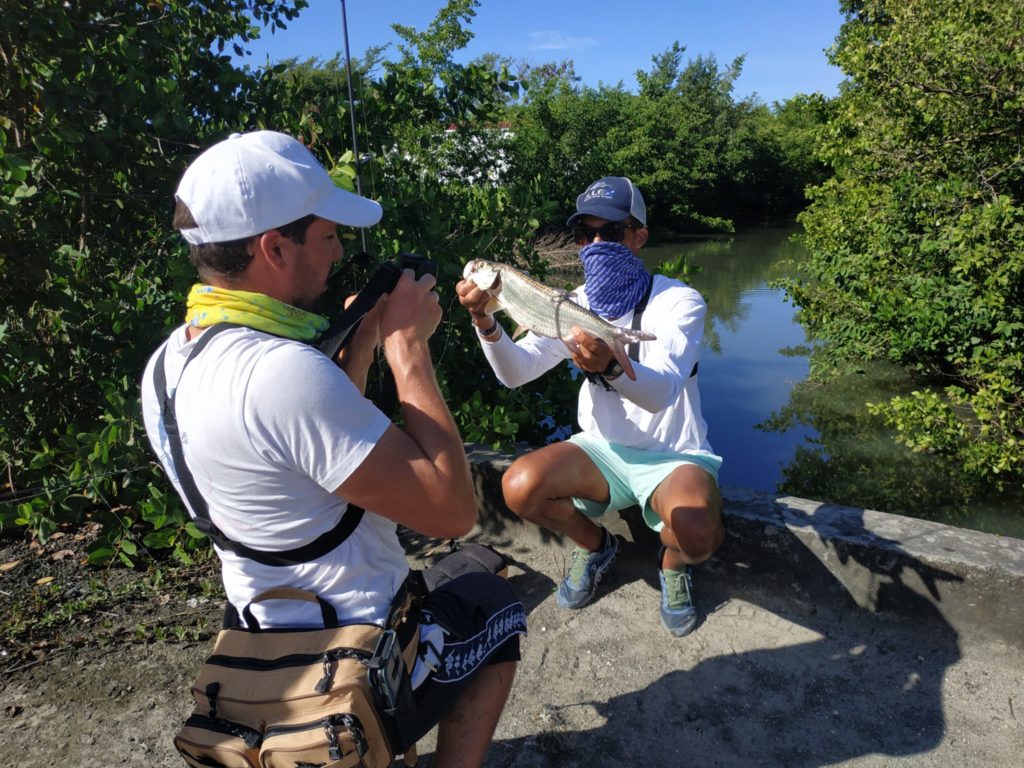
918 239
438 155
852 459
678 268
107 102
704 160
107 106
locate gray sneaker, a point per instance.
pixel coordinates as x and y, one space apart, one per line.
580 585
678 614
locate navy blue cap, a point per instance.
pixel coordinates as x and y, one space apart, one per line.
614 198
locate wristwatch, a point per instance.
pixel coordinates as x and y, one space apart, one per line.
613 371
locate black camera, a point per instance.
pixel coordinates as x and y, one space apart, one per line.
382 281
419 264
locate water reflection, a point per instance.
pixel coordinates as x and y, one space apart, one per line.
854 459
779 432
748 368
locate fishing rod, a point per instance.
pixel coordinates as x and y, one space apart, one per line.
352 114
383 280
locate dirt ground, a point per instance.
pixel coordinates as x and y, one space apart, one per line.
96 666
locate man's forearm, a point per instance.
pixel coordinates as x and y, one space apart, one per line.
654 391
514 365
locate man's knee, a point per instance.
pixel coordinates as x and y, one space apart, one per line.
696 531
520 485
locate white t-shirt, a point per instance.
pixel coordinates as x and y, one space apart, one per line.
660 411
269 428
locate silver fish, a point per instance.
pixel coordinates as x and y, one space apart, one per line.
547 311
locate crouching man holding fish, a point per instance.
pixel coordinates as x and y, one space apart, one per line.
643 440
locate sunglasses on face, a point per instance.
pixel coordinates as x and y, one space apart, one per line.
609 233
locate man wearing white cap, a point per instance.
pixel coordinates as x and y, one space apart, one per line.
281 448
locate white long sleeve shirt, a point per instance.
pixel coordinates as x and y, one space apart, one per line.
660 411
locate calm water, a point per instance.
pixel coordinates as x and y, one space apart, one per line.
779 433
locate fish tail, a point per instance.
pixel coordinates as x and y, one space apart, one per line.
631 334
619 351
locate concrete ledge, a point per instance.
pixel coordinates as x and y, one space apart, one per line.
808 550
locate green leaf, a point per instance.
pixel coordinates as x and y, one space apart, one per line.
162 539
100 555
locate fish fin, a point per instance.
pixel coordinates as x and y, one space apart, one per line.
519 331
493 305
561 297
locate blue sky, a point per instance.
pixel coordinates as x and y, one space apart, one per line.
784 40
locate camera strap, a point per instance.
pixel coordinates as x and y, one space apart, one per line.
345 324
320 546
633 348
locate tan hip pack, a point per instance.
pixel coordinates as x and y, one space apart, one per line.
336 697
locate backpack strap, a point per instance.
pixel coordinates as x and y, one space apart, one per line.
633 349
320 546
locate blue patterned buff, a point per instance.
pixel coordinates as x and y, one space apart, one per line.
616 278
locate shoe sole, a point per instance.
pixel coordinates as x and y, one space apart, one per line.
676 632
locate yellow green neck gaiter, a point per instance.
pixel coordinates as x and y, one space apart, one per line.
208 305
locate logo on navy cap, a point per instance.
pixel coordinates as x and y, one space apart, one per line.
599 189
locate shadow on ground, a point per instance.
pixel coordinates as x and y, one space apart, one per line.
798 675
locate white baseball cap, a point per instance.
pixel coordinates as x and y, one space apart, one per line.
254 182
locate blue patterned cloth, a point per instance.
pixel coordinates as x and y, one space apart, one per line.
616 278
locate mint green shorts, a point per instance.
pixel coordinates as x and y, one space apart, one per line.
633 475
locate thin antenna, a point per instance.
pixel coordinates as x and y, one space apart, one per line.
352 114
